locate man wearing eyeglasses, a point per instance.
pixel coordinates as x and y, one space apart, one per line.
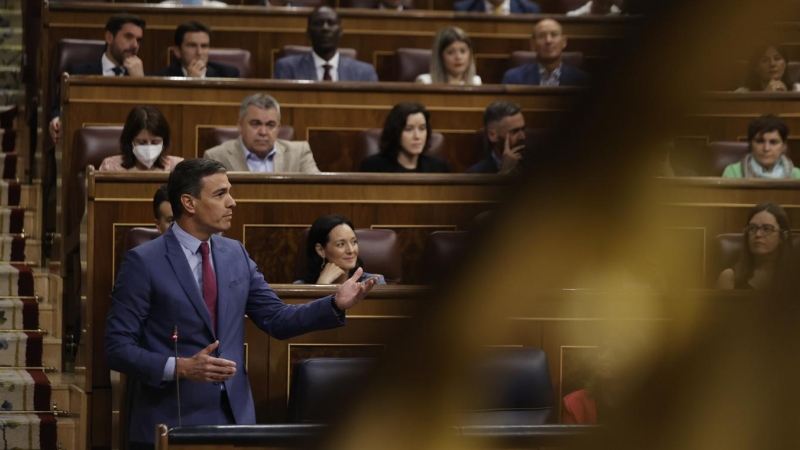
258 148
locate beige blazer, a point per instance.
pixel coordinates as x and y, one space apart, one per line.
290 156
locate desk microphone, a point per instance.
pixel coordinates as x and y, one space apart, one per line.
177 381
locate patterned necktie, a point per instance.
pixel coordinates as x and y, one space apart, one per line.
327 75
209 285
118 71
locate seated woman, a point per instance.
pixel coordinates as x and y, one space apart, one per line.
144 143
452 61
332 252
766 71
767 158
404 141
769 245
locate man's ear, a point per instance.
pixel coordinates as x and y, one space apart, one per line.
320 250
565 42
188 203
533 44
109 38
176 51
491 134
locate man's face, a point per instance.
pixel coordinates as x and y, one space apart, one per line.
259 129
213 211
125 43
324 30
548 40
164 219
512 127
195 46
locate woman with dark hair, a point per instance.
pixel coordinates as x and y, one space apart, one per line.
405 138
767 158
452 61
144 143
769 246
767 71
332 252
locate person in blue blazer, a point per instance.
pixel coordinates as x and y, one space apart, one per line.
549 42
324 63
192 47
203 284
503 7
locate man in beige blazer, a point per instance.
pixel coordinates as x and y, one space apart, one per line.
258 148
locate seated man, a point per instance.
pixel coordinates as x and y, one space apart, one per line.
123 35
505 130
548 41
324 63
258 148
498 7
192 46
162 209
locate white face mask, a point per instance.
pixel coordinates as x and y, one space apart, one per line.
147 154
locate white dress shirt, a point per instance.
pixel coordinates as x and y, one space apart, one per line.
109 66
586 9
334 63
505 7
186 74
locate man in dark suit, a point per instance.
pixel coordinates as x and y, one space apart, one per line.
123 35
505 131
499 7
324 63
192 46
549 42
202 283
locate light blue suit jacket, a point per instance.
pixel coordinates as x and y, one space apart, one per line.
301 67
156 290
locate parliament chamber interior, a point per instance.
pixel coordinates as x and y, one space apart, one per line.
406 223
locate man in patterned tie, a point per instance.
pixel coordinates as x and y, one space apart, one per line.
203 284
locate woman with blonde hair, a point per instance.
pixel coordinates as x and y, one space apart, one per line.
452 61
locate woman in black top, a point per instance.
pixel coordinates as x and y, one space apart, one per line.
404 141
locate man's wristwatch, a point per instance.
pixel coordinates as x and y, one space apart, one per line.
335 307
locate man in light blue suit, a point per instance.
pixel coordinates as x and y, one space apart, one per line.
202 283
324 63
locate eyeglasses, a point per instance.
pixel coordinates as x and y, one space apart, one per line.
753 229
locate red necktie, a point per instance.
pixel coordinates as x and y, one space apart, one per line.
209 285
327 75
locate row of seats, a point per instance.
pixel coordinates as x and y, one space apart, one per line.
510 387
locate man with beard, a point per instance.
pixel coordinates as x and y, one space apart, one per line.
505 131
549 42
324 63
123 35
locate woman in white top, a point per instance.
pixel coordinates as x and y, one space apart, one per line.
451 59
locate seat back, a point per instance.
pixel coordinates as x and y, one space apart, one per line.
409 63
321 388
520 57
289 50
219 135
67 52
378 249
138 236
511 387
729 247
235 57
368 144
90 147
723 153
443 249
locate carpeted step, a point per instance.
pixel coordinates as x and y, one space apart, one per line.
16 248
24 390
19 314
29 431
16 280
17 220
20 349
9 165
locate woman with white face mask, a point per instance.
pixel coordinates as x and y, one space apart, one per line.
144 143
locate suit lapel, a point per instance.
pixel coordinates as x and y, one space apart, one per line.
223 274
236 157
279 161
183 273
211 71
308 71
534 74
345 69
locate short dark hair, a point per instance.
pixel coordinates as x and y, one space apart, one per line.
162 195
765 124
189 27
396 122
316 10
143 118
498 111
318 234
116 22
187 178
753 80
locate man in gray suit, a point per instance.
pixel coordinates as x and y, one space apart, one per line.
258 148
324 63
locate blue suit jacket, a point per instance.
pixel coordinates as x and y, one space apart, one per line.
529 74
517 6
156 290
301 67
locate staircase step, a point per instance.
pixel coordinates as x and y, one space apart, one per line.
11 35
30 431
31 195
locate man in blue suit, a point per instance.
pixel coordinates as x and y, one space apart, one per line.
324 63
192 48
500 7
549 42
202 283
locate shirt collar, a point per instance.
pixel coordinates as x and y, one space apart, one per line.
555 73
108 66
506 7
186 74
186 240
380 6
319 62
250 155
